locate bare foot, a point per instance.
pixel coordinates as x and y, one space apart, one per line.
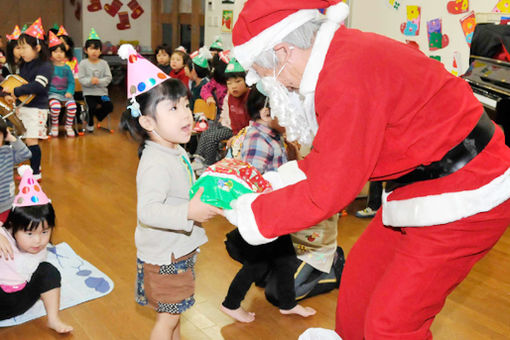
239 314
58 326
299 310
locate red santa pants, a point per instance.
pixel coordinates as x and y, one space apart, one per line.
395 280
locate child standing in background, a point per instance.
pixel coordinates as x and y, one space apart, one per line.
25 277
95 76
13 54
10 155
263 148
163 53
177 61
233 118
167 236
37 71
61 88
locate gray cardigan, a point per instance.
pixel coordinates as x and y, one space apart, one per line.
162 184
100 70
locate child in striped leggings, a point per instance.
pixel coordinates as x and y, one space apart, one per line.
61 88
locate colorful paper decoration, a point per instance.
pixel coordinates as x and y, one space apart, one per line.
412 26
53 40
94 6
435 57
456 63
468 24
124 21
503 6
234 67
15 34
30 192
228 179
136 9
36 30
457 6
395 4
227 19
93 35
62 31
437 39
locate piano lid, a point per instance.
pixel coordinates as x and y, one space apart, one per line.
491 74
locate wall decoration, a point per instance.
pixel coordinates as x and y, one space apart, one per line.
94 6
503 6
468 24
435 57
77 11
124 21
395 4
437 39
227 19
457 6
113 8
412 25
456 64
136 9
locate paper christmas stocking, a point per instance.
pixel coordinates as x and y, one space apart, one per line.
458 6
412 25
113 8
124 21
136 8
437 39
95 5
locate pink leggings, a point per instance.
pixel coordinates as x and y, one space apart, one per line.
396 280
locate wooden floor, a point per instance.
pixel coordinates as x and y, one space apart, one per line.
91 181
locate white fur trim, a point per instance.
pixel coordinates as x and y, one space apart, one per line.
125 50
446 207
246 220
268 38
291 173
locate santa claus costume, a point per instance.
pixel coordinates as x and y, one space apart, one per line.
384 111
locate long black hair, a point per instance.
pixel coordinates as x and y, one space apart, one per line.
9 57
30 217
218 69
44 54
69 46
171 89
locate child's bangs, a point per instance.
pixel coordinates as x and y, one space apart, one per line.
170 89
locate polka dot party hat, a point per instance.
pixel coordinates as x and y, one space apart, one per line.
15 34
30 192
142 75
53 40
36 30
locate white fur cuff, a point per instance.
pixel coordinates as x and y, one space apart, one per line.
246 220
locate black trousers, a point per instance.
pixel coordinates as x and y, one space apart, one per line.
45 278
98 107
275 257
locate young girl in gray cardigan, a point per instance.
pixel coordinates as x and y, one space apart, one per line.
167 235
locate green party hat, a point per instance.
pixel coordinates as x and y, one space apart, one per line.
200 61
217 44
24 28
234 67
93 35
55 26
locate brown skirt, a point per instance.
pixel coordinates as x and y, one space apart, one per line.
167 288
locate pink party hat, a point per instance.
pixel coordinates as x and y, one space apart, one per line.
142 75
30 192
53 40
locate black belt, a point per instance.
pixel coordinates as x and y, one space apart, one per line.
454 159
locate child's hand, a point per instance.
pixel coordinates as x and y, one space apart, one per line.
9 99
210 100
199 211
68 95
10 137
5 248
94 80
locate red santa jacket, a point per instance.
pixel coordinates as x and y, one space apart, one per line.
383 109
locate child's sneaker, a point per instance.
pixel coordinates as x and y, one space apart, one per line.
70 131
90 128
54 131
367 212
38 177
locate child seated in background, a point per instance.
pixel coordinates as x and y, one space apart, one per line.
163 53
10 155
263 148
25 277
233 118
177 61
13 54
197 70
216 89
71 60
95 76
61 88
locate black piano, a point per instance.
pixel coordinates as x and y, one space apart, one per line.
489 77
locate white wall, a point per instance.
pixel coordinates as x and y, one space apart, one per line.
213 13
106 25
379 17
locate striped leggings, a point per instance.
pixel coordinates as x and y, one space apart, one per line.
56 106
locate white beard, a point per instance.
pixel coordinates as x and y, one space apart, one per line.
289 108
